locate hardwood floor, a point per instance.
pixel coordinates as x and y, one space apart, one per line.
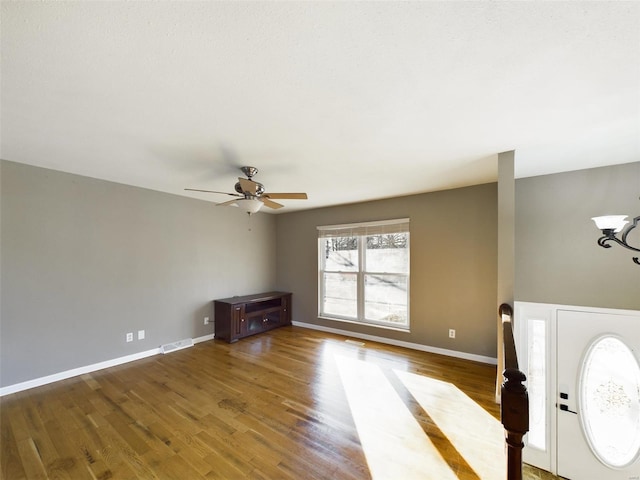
292 403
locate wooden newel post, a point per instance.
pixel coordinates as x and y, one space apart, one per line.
514 405
514 414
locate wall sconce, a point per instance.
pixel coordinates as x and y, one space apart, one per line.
612 224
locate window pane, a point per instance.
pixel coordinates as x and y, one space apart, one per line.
340 294
388 253
610 396
340 254
385 298
537 384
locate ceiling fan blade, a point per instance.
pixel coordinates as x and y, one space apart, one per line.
269 203
248 186
225 204
213 191
286 196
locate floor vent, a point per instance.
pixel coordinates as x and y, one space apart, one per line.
179 345
355 342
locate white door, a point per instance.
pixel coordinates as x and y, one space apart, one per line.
598 416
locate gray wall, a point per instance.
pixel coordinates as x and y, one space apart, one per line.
84 261
453 264
557 258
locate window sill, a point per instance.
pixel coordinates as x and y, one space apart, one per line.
367 324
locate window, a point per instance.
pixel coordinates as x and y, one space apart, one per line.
363 273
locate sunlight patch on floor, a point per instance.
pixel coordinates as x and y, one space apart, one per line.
392 440
474 433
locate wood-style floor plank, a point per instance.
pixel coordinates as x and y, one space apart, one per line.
273 406
11 464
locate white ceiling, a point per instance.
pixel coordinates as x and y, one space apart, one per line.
347 101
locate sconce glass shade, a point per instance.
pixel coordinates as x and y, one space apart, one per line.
249 205
611 222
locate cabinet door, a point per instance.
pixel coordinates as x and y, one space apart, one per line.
272 318
263 320
238 322
285 311
254 322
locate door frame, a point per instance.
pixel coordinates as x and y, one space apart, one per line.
524 313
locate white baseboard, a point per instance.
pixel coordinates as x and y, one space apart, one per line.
56 377
400 343
204 338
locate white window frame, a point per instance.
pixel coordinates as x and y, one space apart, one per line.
361 231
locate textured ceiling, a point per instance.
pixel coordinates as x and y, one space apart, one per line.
347 101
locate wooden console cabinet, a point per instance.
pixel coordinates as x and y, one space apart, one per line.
239 317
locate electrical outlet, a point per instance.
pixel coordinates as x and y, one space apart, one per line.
130 337
140 334
452 333
206 320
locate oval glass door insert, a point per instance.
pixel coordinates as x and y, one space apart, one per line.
610 402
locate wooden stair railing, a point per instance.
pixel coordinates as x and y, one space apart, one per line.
514 405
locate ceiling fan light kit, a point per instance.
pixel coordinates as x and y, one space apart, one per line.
252 194
249 205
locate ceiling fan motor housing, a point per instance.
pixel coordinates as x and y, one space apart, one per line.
259 188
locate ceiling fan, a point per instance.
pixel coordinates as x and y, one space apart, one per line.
251 194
